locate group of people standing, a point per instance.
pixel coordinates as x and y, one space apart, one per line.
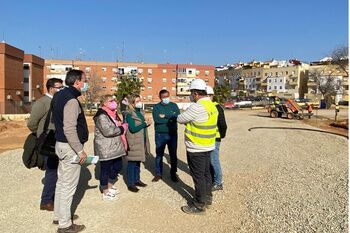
115 139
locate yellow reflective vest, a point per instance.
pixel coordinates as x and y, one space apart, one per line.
203 134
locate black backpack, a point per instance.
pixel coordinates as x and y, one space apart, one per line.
31 158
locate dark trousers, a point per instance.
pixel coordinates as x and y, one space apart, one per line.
162 140
199 164
110 170
133 172
50 179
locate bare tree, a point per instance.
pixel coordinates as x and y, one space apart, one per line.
327 83
93 94
340 58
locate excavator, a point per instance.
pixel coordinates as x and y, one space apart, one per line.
290 109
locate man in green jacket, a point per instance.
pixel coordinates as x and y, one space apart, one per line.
35 124
165 126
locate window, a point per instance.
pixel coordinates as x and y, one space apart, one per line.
114 78
280 80
286 72
104 69
174 80
164 80
259 73
197 72
104 87
280 87
149 71
149 97
206 72
104 79
173 88
149 87
140 71
265 74
275 87
269 80
164 88
269 88
276 73
26 93
87 69
164 71
149 80
293 72
190 72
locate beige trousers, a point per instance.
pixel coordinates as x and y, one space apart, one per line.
68 177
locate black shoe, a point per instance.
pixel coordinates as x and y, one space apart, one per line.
156 178
140 184
133 189
217 187
174 178
192 210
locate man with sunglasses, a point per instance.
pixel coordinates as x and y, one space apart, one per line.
36 124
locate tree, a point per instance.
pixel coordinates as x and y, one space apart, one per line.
128 84
340 58
327 84
93 94
222 92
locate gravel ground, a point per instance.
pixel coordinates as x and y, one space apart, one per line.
274 181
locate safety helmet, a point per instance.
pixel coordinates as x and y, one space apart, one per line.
210 90
198 84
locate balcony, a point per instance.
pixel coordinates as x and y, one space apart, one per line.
311 84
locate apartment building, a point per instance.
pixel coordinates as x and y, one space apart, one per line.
173 77
282 78
21 79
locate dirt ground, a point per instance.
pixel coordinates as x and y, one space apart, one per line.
14 133
274 181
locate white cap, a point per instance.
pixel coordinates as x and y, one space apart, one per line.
198 84
210 90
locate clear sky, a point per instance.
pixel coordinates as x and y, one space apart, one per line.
176 31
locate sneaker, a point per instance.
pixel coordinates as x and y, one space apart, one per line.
192 210
114 190
140 184
74 228
217 187
109 197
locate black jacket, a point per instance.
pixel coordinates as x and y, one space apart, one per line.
221 122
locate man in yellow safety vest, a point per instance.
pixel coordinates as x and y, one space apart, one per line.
200 120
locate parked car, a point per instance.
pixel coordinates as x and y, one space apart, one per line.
229 105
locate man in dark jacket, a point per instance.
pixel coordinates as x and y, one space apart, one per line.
71 134
35 123
214 157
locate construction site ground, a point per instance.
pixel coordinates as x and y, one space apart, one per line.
275 180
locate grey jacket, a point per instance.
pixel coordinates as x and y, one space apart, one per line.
107 142
38 115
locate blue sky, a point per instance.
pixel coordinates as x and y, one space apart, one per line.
177 31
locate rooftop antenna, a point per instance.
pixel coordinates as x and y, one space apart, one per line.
123 47
3 37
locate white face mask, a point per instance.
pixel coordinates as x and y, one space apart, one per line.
138 105
166 100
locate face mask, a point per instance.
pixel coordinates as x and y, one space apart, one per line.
166 100
85 87
112 105
138 105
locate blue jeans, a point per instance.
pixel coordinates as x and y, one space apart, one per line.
110 170
163 139
215 164
50 180
133 172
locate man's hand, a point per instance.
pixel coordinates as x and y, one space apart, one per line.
161 115
82 156
148 122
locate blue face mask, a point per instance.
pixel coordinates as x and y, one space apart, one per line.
85 87
166 100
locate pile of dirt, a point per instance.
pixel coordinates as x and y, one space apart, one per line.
341 124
